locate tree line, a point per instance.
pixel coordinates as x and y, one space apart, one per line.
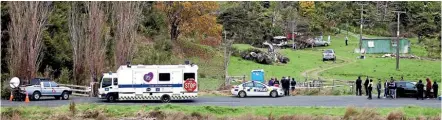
77 41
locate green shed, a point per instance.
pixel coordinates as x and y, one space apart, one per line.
385 45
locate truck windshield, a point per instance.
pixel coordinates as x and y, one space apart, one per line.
106 82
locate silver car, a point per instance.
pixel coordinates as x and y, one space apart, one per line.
321 42
328 55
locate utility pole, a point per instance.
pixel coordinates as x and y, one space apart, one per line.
362 23
397 37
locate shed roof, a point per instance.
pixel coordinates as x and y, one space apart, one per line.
383 38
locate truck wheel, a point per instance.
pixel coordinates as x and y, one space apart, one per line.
242 94
111 98
36 95
274 94
65 95
165 99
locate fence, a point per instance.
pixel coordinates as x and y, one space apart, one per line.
79 90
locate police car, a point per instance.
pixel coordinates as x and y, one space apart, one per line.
254 88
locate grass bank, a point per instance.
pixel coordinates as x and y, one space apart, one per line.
216 112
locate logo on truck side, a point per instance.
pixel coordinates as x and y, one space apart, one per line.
148 77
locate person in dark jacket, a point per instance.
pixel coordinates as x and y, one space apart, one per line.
276 82
420 90
378 88
392 88
370 88
293 84
366 86
358 86
428 89
285 85
386 90
435 89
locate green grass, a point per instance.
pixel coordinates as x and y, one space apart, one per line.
307 59
35 112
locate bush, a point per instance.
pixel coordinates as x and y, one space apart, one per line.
11 113
64 76
396 115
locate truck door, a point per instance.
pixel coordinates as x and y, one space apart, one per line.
137 81
56 90
177 79
46 88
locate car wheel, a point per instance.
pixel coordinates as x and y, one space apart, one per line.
165 99
325 44
36 95
242 94
65 95
274 94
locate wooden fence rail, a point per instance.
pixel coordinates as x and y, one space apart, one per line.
79 90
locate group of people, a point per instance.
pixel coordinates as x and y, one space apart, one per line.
285 83
390 88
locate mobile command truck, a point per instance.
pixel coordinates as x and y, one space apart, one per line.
150 82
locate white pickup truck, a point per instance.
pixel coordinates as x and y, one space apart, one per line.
41 87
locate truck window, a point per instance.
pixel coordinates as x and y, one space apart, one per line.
189 75
53 84
115 81
106 82
164 77
46 84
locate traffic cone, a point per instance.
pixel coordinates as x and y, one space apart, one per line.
11 97
27 98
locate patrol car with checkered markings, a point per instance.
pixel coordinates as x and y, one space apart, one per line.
150 82
255 88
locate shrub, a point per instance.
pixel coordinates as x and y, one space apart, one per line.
396 115
350 111
64 76
11 113
72 108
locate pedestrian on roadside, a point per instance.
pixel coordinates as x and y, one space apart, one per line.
428 92
276 82
370 88
393 89
378 88
346 41
402 78
271 82
366 86
293 84
358 86
386 90
435 89
286 86
420 90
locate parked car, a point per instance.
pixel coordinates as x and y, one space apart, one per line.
43 87
321 42
328 55
254 88
408 89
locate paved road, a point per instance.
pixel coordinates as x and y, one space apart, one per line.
330 101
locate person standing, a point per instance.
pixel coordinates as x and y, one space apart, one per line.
378 88
435 89
271 82
293 84
346 41
428 90
358 86
370 87
276 82
420 90
286 86
386 90
366 86
393 89
402 78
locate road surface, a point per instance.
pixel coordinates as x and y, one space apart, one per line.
328 101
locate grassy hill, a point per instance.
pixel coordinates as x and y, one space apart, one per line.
308 63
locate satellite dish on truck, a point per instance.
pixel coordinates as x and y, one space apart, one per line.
14 82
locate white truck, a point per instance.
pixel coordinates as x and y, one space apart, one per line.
39 87
150 82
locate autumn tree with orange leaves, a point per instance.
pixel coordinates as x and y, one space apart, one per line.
190 17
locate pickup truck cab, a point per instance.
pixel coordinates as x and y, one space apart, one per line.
43 87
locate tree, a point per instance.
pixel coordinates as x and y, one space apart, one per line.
127 21
188 17
28 20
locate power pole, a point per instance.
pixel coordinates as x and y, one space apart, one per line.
397 37
362 24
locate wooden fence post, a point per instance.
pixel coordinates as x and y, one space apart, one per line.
333 86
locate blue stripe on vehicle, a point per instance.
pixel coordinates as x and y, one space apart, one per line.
148 85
